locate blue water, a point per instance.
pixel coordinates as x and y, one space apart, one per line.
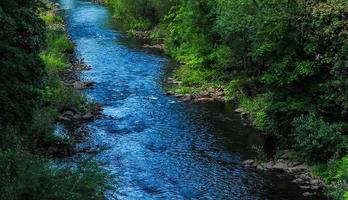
156 146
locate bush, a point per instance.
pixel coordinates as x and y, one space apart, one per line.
139 14
26 177
318 140
335 174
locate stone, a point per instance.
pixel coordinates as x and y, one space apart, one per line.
77 116
315 187
298 169
239 110
303 187
304 177
78 85
198 100
68 113
204 94
178 95
295 163
306 194
260 167
248 162
62 118
298 180
186 98
269 165
280 167
87 116
315 182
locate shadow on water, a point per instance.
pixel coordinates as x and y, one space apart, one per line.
157 146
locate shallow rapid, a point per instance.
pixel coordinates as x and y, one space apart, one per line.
156 146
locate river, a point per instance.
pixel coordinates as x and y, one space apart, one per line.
156 146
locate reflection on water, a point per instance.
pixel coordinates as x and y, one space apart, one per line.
156 146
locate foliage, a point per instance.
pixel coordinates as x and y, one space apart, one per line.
21 71
26 177
139 14
335 174
316 139
280 58
285 61
32 56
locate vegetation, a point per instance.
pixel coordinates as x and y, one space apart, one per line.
285 62
32 95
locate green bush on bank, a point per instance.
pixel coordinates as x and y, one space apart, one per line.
316 139
56 58
335 174
27 177
139 15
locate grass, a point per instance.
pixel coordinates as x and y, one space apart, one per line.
56 59
335 175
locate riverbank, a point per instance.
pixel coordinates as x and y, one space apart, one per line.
64 86
279 84
29 145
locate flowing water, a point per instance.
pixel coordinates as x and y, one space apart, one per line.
156 146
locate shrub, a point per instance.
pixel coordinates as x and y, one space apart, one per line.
318 140
335 174
26 177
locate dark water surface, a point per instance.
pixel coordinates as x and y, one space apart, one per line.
156 146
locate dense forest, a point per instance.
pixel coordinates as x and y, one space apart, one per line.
283 62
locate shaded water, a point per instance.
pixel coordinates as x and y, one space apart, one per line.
156 146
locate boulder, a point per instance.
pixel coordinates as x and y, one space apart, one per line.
78 85
269 165
68 113
298 169
186 98
248 162
306 194
199 100
315 187
239 110
280 167
304 187
62 118
88 116
298 180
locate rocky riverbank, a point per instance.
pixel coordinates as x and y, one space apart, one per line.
301 172
71 78
206 95
75 111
